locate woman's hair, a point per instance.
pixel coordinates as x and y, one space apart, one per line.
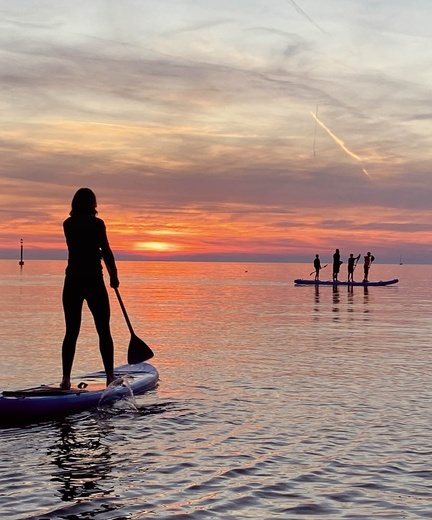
84 203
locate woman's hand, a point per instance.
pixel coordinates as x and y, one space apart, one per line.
114 282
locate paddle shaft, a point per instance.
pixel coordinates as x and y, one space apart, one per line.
320 269
138 350
123 308
356 262
125 314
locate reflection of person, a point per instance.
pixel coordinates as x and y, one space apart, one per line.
317 266
75 453
352 262
368 259
87 242
336 265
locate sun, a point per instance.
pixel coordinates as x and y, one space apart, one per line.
161 247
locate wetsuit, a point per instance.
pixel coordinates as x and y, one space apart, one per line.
87 242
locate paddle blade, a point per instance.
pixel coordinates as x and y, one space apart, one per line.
138 351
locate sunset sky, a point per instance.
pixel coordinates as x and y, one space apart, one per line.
236 129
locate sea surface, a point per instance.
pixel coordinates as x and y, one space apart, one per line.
274 401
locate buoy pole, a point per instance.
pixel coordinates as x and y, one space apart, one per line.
21 262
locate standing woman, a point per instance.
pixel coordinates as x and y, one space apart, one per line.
87 243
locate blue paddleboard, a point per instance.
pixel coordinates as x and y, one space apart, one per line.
331 282
90 392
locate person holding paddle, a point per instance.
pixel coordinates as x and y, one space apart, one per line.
87 243
352 263
317 266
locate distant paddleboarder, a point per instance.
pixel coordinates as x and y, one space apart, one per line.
317 266
368 259
336 265
352 262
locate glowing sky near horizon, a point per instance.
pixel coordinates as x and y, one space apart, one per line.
192 123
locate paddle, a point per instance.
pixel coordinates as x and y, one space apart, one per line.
320 269
356 262
138 350
357 258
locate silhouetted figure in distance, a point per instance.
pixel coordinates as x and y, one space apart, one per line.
317 266
368 259
336 265
352 262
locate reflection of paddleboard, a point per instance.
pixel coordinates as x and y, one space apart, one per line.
329 282
48 401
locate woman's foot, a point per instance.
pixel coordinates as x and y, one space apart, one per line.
65 384
110 378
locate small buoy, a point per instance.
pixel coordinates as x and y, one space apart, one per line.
21 262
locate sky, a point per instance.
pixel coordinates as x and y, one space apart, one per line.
238 130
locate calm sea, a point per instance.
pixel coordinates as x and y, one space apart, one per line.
275 401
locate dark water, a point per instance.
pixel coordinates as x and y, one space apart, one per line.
275 401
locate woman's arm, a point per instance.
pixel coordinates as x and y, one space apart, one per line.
109 259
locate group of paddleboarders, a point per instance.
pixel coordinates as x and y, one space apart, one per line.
351 264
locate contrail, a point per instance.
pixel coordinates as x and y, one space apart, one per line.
300 10
316 119
340 143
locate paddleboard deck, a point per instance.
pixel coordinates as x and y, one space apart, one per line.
46 401
299 281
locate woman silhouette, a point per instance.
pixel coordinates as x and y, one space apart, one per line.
87 243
